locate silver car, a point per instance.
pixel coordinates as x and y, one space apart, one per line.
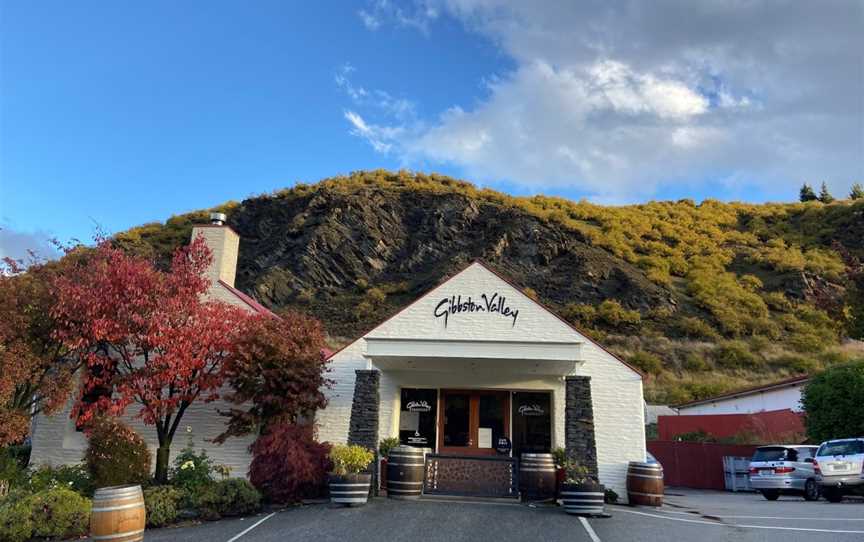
784 469
840 468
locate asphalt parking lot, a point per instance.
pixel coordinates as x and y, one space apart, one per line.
687 515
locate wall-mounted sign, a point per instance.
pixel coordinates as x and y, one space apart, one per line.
418 406
531 410
503 445
494 304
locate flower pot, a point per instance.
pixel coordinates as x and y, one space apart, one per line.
350 489
583 499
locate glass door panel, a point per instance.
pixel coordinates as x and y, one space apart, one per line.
491 423
457 420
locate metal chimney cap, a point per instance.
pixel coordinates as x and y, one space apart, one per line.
218 218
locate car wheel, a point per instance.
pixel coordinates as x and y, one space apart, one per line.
811 491
832 495
771 494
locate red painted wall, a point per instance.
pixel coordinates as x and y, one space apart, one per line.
771 426
695 465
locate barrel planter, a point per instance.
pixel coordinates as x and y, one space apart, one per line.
118 514
537 476
350 489
405 466
583 499
645 484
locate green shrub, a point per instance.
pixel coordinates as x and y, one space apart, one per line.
560 455
580 314
832 402
735 355
116 455
350 459
232 497
162 503
386 445
74 477
647 362
695 362
614 315
796 364
59 512
191 470
15 522
695 328
610 497
11 470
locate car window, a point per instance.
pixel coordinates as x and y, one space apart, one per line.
804 453
772 453
842 447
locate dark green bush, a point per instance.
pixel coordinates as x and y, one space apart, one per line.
610 497
74 477
15 522
386 445
162 503
11 470
191 470
59 513
232 497
116 455
695 328
695 362
832 403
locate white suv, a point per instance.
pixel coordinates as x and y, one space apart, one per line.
839 467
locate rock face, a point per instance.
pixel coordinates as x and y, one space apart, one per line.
315 252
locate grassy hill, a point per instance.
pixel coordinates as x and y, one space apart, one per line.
704 298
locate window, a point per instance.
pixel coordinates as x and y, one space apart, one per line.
417 416
842 447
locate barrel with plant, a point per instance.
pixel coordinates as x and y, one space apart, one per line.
581 494
348 483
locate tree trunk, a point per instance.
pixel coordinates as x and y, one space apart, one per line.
162 454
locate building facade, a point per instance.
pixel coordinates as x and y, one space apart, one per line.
782 395
475 371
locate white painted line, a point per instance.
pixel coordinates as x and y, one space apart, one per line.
589 530
839 531
697 513
257 523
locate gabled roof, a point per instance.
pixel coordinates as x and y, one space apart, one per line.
793 381
511 284
254 305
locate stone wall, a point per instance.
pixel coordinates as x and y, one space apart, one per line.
363 427
579 423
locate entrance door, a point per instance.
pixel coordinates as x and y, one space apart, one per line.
470 422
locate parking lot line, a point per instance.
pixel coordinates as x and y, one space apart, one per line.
768 527
247 529
696 512
589 530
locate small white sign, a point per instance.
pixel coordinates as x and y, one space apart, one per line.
484 437
409 421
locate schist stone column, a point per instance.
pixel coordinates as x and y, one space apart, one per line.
579 422
363 427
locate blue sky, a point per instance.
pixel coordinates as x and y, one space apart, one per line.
120 113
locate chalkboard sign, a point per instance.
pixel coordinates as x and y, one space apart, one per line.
503 445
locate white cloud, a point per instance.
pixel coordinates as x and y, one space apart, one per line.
26 245
618 99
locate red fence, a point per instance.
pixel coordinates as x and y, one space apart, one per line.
771 426
697 465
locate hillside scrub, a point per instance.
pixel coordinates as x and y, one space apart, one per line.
775 274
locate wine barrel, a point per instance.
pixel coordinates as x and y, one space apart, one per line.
118 514
645 483
537 476
405 472
583 499
350 489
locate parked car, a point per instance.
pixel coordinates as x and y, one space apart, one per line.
840 468
784 470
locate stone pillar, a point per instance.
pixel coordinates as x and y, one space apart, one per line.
579 423
363 427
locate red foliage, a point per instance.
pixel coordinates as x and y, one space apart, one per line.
146 334
36 375
288 465
276 373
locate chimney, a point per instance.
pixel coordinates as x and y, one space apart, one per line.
224 243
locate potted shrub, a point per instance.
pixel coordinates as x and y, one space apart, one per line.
348 484
384 448
580 492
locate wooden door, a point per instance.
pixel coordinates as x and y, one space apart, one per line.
470 421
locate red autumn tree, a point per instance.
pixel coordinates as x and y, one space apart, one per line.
36 374
146 335
276 374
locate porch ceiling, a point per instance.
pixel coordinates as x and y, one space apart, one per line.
435 355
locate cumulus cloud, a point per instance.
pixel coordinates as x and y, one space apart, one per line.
620 99
25 246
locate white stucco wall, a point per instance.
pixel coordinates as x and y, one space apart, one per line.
616 389
788 397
